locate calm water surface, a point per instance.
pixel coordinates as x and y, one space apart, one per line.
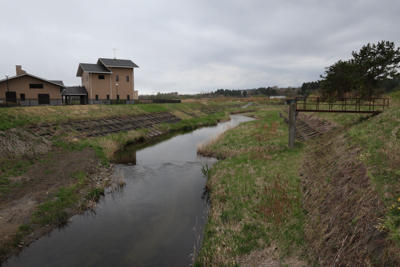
150 222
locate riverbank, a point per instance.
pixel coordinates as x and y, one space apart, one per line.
331 201
256 200
44 182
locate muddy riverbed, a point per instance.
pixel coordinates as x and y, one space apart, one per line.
152 221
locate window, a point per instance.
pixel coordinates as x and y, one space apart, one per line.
127 97
97 97
44 99
117 78
117 96
22 97
101 77
36 86
108 97
127 78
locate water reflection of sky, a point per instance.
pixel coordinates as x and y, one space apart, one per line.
182 148
149 223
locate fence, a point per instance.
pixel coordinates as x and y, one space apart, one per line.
17 102
343 105
156 101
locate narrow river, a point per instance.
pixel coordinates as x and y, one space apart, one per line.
151 221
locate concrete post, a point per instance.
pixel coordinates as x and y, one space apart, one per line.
292 123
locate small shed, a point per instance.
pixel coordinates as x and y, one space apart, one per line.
75 95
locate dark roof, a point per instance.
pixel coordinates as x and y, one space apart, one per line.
57 82
93 68
75 90
120 63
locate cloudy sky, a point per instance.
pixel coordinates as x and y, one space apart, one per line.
191 46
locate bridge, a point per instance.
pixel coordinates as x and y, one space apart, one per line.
338 105
342 105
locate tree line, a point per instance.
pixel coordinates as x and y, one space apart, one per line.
269 91
372 71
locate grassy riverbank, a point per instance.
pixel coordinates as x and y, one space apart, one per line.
353 178
255 194
334 200
25 116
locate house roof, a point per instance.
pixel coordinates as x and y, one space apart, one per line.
91 68
74 90
119 63
58 82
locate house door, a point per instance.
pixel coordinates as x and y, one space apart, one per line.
11 97
44 99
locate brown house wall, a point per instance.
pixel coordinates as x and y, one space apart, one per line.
20 85
108 86
124 88
98 87
86 82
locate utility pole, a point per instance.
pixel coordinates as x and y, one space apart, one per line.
292 123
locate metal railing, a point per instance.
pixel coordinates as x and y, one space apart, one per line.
341 105
17 102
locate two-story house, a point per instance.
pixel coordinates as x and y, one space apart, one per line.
108 79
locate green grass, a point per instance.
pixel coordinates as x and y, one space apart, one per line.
11 167
95 193
255 192
53 210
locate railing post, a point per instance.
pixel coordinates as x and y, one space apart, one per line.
292 123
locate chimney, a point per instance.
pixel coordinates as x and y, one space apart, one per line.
19 70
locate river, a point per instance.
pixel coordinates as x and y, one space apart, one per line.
152 221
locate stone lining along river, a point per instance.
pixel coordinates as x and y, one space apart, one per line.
150 221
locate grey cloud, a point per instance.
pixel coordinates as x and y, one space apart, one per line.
189 46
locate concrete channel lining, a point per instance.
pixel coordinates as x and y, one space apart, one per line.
106 126
303 131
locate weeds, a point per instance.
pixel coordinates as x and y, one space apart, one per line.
256 197
206 171
95 193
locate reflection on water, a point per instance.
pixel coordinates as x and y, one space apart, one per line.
149 223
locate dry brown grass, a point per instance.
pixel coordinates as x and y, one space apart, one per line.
343 208
202 147
113 143
109 147
268 257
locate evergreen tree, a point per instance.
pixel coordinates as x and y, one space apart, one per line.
364 74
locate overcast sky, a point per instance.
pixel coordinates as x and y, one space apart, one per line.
191 46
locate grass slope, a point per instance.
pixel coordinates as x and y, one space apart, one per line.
255 193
